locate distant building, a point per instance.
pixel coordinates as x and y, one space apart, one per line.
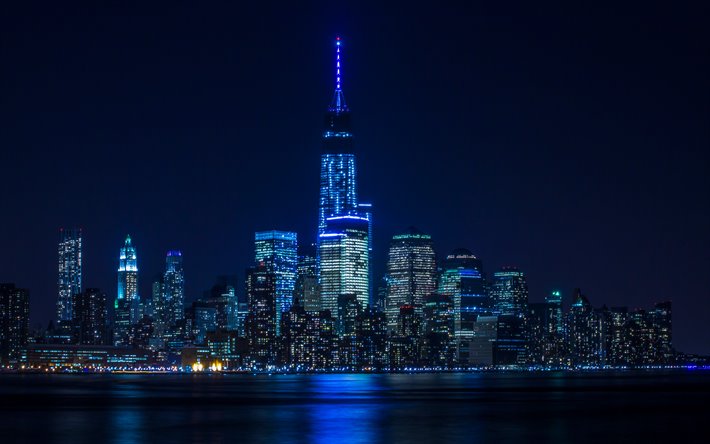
463 281
307 290
411 271
344 261
90 317
127 305
584 334
173 288
69 281
509 292
279 252
261 321
14 324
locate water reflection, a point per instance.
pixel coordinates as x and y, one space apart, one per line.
447 408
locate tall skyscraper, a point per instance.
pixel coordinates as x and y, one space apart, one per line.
128 272
90 317
278 250
261 321
338 190
173 288
127 306
344 261
411 269
14 324
69 282
509 292
463 281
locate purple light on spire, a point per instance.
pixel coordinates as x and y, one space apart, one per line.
337 63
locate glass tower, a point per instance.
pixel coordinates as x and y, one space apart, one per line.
173 288
462 280
69 282
509 292
411 269
278 250
344 261
338 191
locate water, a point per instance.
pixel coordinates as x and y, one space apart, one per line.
447 408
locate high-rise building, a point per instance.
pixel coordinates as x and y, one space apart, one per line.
463 281
307 290
344 261
90 316
173 288
663 329
14 324
411 271
509 292
69 282
338 190
127 305
279 252
554 306
583 332
261 321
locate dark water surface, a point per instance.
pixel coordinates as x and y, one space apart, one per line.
446 408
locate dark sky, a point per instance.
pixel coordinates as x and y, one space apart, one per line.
570 142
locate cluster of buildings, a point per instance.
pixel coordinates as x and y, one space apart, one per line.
316 307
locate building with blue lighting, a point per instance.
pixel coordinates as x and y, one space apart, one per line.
344 261
173 288
69 281
278 250
509 292
127 305
462 280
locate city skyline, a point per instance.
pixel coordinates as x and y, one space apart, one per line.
577 253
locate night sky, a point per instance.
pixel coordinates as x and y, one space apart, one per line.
572 143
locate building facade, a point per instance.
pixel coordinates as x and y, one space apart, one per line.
411 271
69 281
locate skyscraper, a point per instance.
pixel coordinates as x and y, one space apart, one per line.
127 300
278 250
462 280
411 269
14 323
90 317
307 290
338 190
509 292
261 321
344 261
69 281
173 288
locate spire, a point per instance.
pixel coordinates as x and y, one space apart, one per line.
338 104
128 240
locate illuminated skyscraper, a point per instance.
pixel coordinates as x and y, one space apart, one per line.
261 321
127 306
338 191
128 272
411 269
462 280
14 324
173 288
69 282
509 292
278 250
344 261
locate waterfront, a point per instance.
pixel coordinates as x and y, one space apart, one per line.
471 407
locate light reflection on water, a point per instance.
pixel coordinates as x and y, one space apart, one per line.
478 407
